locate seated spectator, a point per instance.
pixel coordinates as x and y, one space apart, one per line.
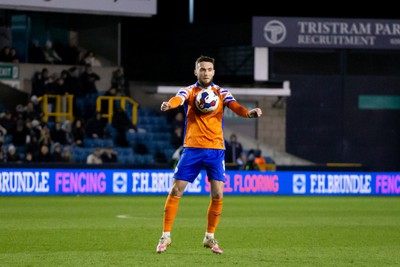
28 157
95 157
45 136
78 132
67 155
43 155
95 127
259 160
12 154
50 54
58 135
57 153
108 155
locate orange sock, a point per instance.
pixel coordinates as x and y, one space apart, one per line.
170 211
214 214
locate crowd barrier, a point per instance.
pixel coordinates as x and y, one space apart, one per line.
97 181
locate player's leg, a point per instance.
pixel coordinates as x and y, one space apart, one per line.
216 174
170 211
214 215
187 170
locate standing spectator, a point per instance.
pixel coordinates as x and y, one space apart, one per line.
119 82
5 54
91 59
37 84
95 157
122 123
234 149
50 54
36 54
88 80
13 55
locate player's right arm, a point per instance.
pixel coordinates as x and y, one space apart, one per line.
174 102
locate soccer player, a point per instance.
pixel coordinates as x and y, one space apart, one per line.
203 147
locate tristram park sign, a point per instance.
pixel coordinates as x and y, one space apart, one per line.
326 33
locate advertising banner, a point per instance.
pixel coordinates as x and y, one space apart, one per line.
326 33
158 182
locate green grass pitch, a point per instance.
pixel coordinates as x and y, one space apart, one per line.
253 231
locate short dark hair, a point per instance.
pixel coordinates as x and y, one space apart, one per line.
204 59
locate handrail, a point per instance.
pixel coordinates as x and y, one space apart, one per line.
110 101
58 114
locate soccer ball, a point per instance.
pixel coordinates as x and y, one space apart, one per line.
207 100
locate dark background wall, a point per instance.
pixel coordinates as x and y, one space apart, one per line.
325 122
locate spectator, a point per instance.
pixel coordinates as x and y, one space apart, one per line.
119 82
5 54
95 157
58 135
37 84
88 80
50 54
67 155
234 149
109 155
13 56
78 132
91 59
32 138
19 135
66 126
12 154
43 155
112 91
45 136
57 153
8 121
32 111
259 161
95 127
36 54
177 126
122 123
28 157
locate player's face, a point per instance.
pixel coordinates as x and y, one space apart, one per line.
205 73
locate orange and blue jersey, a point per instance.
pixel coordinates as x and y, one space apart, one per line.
205 130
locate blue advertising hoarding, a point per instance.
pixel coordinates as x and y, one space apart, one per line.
158 182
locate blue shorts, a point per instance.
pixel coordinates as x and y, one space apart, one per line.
194 159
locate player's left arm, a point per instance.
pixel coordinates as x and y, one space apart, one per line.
244 112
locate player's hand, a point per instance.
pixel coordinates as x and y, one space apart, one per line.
255 113
165 106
